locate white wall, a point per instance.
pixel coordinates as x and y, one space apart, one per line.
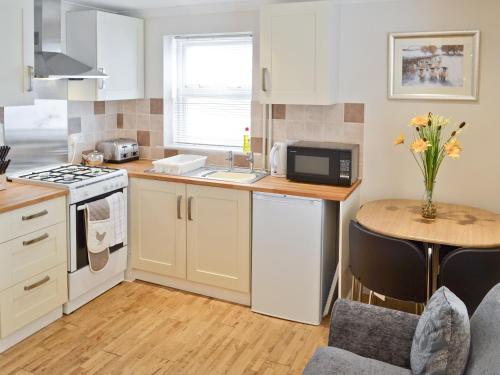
474 179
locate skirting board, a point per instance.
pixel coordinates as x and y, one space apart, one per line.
30 329
189 286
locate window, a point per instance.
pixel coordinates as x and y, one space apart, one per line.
212 89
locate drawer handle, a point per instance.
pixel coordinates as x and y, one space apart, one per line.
46 279
179 200
35 240
190 203
34 216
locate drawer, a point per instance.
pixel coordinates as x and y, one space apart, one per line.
32 218
27 256
27 301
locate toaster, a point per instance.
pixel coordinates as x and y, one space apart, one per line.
119 150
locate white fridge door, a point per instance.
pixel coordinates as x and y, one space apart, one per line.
286 257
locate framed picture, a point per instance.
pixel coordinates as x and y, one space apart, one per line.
434 65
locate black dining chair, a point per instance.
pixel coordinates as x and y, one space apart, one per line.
388 266
470 274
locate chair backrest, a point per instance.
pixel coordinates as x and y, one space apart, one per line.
470 274
386 265
484 357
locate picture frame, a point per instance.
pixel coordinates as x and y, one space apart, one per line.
434 65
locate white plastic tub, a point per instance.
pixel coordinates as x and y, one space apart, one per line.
179 164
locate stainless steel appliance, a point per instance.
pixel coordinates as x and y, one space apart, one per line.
323 162
119 150
85 184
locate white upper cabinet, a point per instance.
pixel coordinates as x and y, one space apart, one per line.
111 43
299 53
18 57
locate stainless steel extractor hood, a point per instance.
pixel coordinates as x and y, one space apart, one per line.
50 63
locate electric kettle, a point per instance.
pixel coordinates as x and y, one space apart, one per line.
277 159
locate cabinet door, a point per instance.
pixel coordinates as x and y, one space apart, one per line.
17 60
120 54
158 227
218 241
297 49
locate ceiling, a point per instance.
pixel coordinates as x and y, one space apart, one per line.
124 5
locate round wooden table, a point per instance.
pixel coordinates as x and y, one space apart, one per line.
455 225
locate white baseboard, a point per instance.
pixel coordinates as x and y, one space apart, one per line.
30 329
189 286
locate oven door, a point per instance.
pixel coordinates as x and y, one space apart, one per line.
312 165
78 256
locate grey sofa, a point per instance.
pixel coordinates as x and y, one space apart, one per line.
367 339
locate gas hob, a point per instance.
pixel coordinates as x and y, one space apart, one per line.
82 182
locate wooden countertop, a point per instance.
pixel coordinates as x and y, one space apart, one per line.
21 195
455 225
268 184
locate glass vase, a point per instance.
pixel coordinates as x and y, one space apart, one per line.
429 210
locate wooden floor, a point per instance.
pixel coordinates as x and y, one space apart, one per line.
138 328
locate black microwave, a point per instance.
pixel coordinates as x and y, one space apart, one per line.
323 162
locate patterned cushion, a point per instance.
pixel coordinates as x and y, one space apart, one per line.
442 338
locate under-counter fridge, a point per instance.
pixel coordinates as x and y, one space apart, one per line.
294 255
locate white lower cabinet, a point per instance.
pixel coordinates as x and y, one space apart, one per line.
218 237
196 233
158 227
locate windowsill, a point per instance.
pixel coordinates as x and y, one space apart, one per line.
204 148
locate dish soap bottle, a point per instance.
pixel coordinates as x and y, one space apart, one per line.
246 141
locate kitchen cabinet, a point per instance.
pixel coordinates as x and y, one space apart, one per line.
218 241
195 233
33 269
158 222
299 46
112 43
18 58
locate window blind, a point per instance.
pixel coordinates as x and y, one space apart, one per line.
212 89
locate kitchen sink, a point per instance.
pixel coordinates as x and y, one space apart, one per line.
237 175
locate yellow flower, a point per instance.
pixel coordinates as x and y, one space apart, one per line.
399 140
419 121
453 148
420 145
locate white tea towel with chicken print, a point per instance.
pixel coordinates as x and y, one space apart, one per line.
99 233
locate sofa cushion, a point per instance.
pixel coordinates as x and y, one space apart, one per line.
442 338
485 336
335 361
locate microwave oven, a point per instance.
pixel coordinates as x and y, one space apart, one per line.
323 162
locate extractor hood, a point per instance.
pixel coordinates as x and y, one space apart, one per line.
50 63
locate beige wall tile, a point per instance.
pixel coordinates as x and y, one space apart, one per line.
111 122
256 143
129 121
129 107
79 109
315 113
156 138
145 152
127 133
119 120
74 125
143 122
156 122
156 106
111 134
296 112
334 114
279 130
295 130
143 106
256 119
314 131
157 152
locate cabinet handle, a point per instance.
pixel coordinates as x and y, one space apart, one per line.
35 240
190 201
264 86
31 74
102 82
34 216
46 279
179 200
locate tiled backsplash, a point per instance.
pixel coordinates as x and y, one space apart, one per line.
141 120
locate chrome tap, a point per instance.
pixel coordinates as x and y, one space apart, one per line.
229 158
251 160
